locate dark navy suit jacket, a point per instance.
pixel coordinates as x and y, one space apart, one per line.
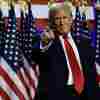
54 61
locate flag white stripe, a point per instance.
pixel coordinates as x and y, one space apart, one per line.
31 71
7 89
97 68
32 90
35 82
32 75
1 98
14 77
39 11
24 76
37 70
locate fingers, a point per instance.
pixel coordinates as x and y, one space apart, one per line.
46 36
48 33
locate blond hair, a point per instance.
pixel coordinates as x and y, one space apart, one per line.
55 9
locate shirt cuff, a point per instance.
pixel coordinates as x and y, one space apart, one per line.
46 47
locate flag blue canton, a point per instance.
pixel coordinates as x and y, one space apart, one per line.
18 78
1 21
84 25
98 37
78 24
11 50
11 20
30 30
1 28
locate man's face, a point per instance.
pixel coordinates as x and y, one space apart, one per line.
62 22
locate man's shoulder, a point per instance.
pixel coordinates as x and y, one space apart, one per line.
83 39
86 37
86 45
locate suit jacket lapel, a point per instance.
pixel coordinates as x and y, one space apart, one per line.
61 55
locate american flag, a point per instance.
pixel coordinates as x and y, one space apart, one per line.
30 27
84 27
77 24
1 21
27 36
1 26
98 44
98 36
18 74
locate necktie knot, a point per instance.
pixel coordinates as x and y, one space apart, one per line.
77 9
65 36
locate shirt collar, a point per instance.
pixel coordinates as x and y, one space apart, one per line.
67 34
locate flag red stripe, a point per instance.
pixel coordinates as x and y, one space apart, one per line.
24 83
34 68
98 78
39 2
5 23
28 81
41 22
18 24
11 83
4 95
31 81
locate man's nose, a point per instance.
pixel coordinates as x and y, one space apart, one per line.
61 21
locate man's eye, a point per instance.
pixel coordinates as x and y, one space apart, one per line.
64 17
57 18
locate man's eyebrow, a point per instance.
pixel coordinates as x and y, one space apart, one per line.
57 17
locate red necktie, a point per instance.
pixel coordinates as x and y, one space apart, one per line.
75 68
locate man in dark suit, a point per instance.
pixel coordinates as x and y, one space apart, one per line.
71 75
